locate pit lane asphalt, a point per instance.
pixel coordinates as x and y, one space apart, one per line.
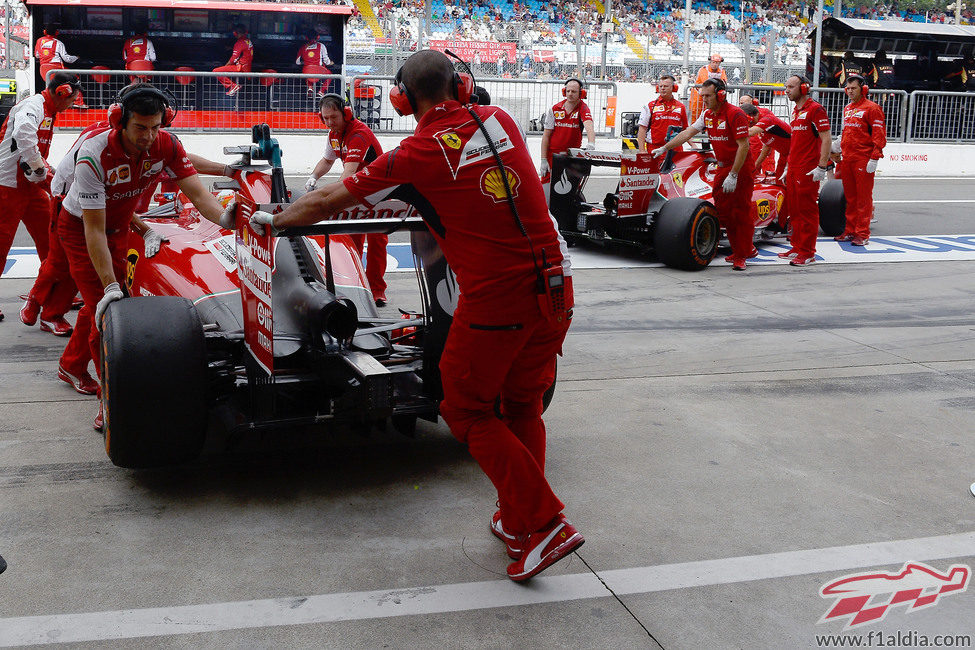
712 416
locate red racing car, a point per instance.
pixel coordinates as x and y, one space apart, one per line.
664 205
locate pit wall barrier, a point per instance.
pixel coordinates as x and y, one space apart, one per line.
302 151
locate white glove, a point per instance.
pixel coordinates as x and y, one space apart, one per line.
872 166
228 171
659 151
818 174
34 171
153 241
228 216
588 145
260 219
310 183
835 146
112 293
785 172
730 183
543 169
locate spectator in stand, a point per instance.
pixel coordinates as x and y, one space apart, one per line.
712 70
240 60
313 59
52 55
139 48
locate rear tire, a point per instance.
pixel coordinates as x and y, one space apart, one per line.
832 208
154 382
686 233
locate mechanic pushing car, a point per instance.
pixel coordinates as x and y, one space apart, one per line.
54 290
754 141
469 167
773 134
350 140
808 157
113 168
734 180
564 124
25 140
861 146
660 114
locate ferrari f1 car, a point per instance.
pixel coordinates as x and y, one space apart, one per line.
664 205
265 332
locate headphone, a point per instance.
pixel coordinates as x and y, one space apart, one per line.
404 103
803 85
656 87
863 82
720 90
582 87
346 108
118 112
68 88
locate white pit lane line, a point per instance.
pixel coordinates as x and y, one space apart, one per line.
439 599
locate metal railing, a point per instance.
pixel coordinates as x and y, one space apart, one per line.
941 117
525 99
285 101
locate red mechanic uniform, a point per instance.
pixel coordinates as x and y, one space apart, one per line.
567 128
25 136
658 116
54 289
51 55
240 61
864 138
500 343
138 52
107 178
801 191
725 126
777 134
313 59
358 144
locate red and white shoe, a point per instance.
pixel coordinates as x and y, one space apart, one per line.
860 241
843 237
29 312
738 265
77 302
84 384
99 423
754 253
57 327
544 548
510 541
233 90
788 255
803 261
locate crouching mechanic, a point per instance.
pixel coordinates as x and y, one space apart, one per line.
504 338
113 168
356 145
727 127
25 140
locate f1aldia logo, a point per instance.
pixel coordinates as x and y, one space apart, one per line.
865 598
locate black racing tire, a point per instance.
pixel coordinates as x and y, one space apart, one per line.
686 233
832 208
154 382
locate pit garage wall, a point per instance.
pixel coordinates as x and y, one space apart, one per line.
301 152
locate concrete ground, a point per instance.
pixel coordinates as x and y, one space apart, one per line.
728 443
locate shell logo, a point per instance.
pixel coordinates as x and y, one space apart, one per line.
778 203
131 260
492 184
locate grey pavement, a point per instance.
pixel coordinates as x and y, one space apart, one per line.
743 418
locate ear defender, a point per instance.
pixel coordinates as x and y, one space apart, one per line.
118 112
346 108
582 88
400 97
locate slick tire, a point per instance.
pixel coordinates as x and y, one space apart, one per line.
154 382
686 233
832 208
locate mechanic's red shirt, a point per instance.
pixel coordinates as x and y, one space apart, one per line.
313 54
864 131
46 49
447 170
725 127
775 133
804 148
243 54
106 177
355 144
137 49
659 115
567 126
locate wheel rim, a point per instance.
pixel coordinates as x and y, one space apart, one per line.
705 240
